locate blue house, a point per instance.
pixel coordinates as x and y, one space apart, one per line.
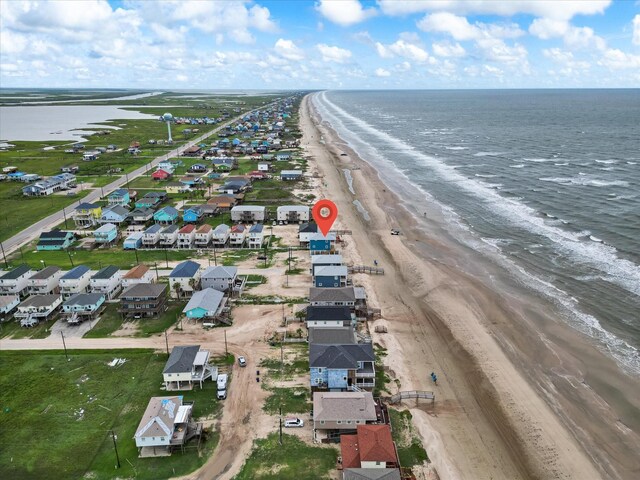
207 303
55 240
151 200
283 156
342 367
192 215
166 215
107 233
115 214
119 197
330 276
82 306
319 243
133 241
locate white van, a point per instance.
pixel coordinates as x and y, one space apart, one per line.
222 386
293 422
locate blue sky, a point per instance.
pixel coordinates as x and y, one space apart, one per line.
348 44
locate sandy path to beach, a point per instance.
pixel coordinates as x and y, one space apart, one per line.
487 423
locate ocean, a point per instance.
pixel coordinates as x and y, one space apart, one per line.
545 184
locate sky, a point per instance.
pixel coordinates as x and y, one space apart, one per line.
323 44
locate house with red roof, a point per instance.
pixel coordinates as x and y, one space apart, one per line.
161 174
369 453
186 236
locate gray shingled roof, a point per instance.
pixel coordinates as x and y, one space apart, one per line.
340 356
332 336
106 273
84 299
181 359
371 474
339 294
16 272
328 313
144 290
45 273
220 272
40 300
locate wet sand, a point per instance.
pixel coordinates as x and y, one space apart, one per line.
512 399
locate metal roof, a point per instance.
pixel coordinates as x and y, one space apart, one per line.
332 335
75 273
330 271
220 272
207 299
16 272
186 269
84 299
105 273
335 259
45 273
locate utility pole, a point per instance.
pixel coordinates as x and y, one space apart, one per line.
166 257
155 264
226 351
21 254
280 419
166 341
64 214
115 447
136 252
4 257
215 258
70 259
64 345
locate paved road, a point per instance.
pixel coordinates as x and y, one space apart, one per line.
51 221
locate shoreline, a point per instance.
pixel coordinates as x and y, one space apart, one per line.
489 406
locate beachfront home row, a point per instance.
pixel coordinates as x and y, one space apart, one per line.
348 367
292 214
369 453
248 214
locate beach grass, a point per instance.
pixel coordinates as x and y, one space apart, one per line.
64 412
410 449
293 460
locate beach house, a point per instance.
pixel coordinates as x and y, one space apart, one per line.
138 274
192 214
205 304
133 241
187 367
169 236
151 200
87 215
220 235
290 174
106 234
161 174
116 214
305 231
221 278
16 281
325 260
342 367
166 215
119 197
186 236
82 306
370 449
8 303
238 235
256 236
143 300
75 281
37 308
248 214
330 276
319 243
141 215
45 281
55 240
107 281
184 279
166 424
48 186
203 236
332 336
332 297
151 236
343 410
223 202
292 214
329 316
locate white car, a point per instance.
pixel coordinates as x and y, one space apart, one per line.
242 361
293 422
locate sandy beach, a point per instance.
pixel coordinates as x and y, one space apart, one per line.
495 416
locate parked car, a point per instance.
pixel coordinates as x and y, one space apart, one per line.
242 361
293 422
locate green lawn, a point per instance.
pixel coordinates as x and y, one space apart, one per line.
57 415
13 329
293 460
291 400
151 326
410 449
110 321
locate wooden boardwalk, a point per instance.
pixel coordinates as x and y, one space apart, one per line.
366 269
417 394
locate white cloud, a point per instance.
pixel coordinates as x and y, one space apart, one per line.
381 72
12 42
333 54
403 67
546 28
287 49
566 60
363 37
344 12
402 48
460 28
496 50
446 49
617 59
559 9
583 37
636 30
574 37
182 78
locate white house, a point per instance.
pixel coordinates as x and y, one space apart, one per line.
45 281
220 235
238 235
220 278
138 274
37 308
107 281
186 236
75 281
256 236
165 423
7 304
292 214
185 278
264 166
16 281
248 214
151 235
187 365
169 235
203 235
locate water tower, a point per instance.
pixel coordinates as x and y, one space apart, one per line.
167 117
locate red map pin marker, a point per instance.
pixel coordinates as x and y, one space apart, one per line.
325 213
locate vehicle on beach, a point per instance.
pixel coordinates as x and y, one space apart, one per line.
242 361
395 232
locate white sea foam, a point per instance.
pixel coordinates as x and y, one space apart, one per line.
520 165
539 160
481 175
561 164
603 257
606 161
585 180
489 154
456 148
